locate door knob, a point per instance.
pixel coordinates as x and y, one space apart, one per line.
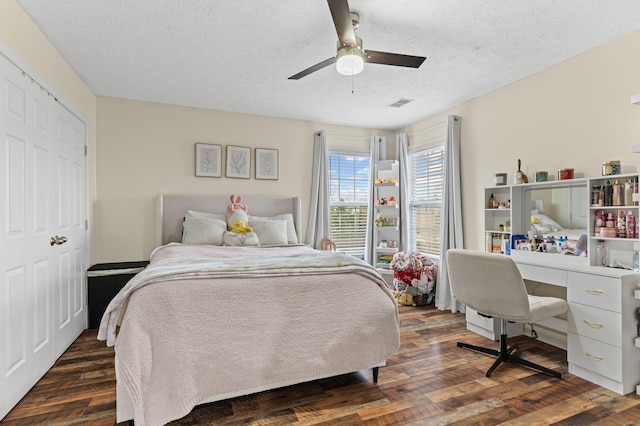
58 240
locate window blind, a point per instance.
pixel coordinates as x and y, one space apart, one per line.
348 200
426 181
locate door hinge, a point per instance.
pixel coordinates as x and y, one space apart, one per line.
85 150
86 225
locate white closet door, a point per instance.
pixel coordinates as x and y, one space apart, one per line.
68 191
42 181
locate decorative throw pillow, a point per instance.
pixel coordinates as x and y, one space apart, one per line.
292 237
270 232
199 230
248 239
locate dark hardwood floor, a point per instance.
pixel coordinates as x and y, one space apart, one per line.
429 381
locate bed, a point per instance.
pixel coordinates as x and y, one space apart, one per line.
205 322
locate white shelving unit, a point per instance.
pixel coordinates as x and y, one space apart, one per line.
619 249
516 204
386 235
497 220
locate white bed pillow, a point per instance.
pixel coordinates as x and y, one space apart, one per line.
270 232
205 215
200 230
292 237
233 239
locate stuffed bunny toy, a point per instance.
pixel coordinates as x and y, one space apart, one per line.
236 212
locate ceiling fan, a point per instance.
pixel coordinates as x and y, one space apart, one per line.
350 57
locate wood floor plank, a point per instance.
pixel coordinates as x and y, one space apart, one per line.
430 381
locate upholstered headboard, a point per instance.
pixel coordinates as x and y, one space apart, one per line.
173 207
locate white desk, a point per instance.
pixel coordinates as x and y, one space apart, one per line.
600 332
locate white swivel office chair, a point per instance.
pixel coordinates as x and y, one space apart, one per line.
492 285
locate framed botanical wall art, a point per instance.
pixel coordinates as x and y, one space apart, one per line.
266 163
208 160
238 162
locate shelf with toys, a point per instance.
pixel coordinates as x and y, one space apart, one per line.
386 237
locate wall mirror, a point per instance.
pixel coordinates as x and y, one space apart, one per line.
557 210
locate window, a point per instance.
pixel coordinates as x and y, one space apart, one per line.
349 199
426 180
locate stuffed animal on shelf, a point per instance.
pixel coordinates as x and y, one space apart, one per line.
380 220
236 212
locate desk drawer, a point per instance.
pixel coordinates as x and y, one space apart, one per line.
598 324
594 290
475 318
603 359
543 274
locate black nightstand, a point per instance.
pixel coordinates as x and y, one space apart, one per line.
104 281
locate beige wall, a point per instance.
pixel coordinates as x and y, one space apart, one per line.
145 149
576 114
23 42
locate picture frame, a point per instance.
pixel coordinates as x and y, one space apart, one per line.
266 163
208 160
238 162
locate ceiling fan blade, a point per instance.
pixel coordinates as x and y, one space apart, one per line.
342 20
397 59
314 68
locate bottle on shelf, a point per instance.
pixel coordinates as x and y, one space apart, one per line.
608 193
621 225
599 251
597 196
610 222
496 243
493 203
631 225
628 193
518 176
599 223
616 196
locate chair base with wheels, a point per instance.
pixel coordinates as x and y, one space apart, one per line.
504 354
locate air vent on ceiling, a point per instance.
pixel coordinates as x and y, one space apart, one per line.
400 102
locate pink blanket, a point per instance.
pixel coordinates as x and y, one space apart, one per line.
200 334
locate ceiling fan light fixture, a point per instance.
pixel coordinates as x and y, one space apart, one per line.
349 59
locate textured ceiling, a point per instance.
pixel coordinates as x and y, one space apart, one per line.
237 55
